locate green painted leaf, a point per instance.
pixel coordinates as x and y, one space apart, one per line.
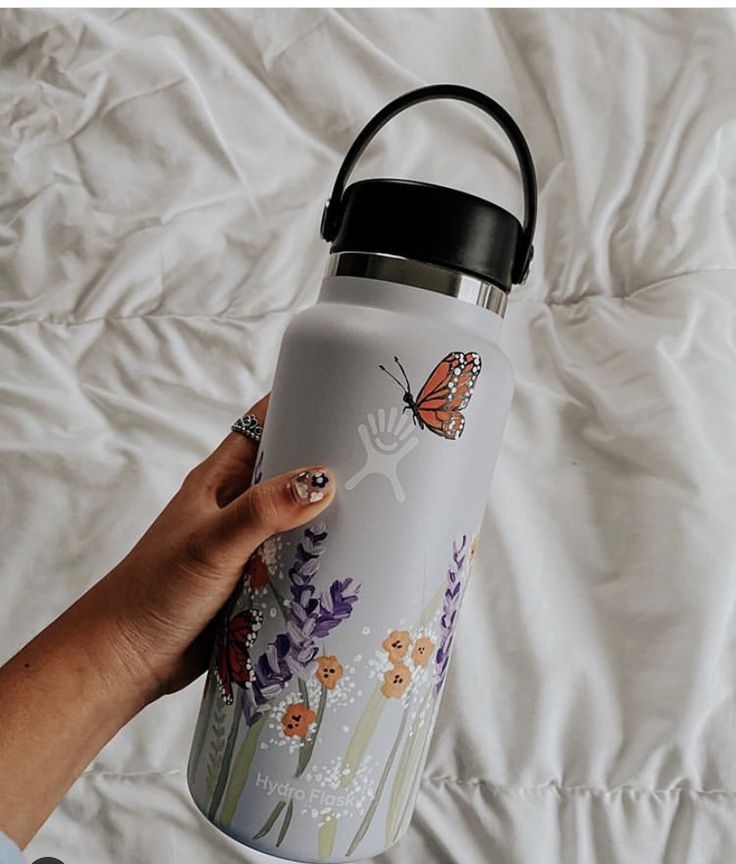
361 737
240 770
287 821
372 807
366 725
431 608
406 768
419 759
326 835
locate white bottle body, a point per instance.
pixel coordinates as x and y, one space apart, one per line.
320 760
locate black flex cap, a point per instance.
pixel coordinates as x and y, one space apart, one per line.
432 224
429 223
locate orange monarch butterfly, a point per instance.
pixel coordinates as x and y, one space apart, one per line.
233 664
445 395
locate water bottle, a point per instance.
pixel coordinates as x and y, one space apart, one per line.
395 380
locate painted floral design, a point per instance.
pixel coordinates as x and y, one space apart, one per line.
290 658
395 681
422 651
329 671
256 573
411 672
297 719
296 684
309 616
450 606
396 643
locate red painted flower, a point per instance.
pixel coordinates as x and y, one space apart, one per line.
256 571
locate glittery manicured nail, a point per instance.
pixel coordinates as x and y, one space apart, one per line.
309 486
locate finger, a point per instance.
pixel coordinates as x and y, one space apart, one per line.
228 470
273 506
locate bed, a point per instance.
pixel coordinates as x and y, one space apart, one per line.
164 174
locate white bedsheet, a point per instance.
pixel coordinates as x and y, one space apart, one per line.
163 178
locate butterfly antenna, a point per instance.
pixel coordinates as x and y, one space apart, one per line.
403 372
391 375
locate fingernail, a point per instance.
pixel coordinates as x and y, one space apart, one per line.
309 486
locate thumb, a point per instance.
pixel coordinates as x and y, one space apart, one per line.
273 506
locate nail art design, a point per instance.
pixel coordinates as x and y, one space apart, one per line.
308 485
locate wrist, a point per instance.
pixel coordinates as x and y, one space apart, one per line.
118 681
116 653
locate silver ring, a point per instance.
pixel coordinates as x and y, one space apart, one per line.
249 426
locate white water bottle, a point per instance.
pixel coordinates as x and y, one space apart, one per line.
395 380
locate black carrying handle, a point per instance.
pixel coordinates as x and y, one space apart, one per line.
332 215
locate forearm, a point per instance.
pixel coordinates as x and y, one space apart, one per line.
62 698
142 631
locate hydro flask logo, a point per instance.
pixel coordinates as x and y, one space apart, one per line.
387 439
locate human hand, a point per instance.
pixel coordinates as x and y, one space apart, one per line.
143 630
162 599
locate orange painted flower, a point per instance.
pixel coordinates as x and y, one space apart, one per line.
423 649
395 681
297 719
256 570
396 644
329 670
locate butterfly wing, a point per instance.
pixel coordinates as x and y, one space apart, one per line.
233 665
222 667
447 392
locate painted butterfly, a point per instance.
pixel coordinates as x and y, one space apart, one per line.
232 662
445 394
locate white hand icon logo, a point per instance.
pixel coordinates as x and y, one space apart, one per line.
386 444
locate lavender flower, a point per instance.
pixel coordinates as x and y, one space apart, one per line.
335 606
271 673
450 606
309 616
304 607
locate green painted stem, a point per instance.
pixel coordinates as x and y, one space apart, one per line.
269 823
305 751
241 767
417 777
303 692
224 765
280 600
371 811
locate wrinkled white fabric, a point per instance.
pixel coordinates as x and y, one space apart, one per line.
9 852
164 174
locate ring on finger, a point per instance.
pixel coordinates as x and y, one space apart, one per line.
248 425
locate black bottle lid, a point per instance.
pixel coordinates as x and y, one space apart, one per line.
430 223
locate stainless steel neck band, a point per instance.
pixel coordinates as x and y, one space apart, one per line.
391 268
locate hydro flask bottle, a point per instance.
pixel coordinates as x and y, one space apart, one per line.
395 380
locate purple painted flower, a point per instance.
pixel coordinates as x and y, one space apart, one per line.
336 605
309 616
450 606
